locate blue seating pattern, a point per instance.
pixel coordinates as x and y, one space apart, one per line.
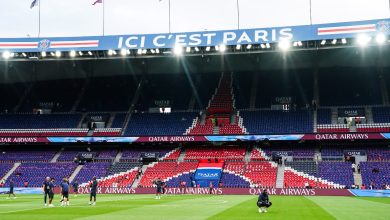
19 121
35 173
337 172
277 122
324 116
159 124
381 114
376 173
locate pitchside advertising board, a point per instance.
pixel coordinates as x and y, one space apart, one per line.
209 138
193 39
217 191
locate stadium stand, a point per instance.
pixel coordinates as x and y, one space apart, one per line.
295 83
365 89
4 168
32 121
375 174
122 167
35 173
278 122
336 172
165 170
15 92
232 180
107 132
324 116
90 170
35 156
159 124
232 153
61 97
261 173
118 120
78 132
134 154
161 90
333 128
100 91
378 153
242 88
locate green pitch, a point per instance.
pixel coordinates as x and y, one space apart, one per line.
118 207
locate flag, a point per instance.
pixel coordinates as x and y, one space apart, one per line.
34 3
97 1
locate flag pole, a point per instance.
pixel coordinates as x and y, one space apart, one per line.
103 17
39 18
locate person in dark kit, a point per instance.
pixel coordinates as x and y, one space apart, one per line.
67 181
263 202
46 189
65 192
211 187
76 188
93 186
159 183
11 189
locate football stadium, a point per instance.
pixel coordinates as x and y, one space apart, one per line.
195 109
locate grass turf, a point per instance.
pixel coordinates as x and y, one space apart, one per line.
110 207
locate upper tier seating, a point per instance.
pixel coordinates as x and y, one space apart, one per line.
242 84
381 114
159 124
35 173
222 100
20 121
324 116
376 173
66 132
277 122
337 89
205 88
14 93
160 88
108 94
294 83
119 120
57 95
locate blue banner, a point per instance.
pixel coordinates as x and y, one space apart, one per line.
193 39
20 190
371 193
